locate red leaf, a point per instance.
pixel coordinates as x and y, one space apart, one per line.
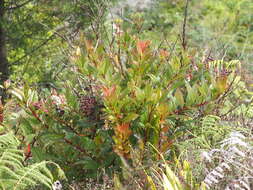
124 129
27 150
142 46
108 92
163 53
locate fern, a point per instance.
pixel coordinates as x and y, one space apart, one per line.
220 65
232 164
14 175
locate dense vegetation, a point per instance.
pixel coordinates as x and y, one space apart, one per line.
155 98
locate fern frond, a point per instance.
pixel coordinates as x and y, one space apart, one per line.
14 175
33 174
8 140
234 168
12 157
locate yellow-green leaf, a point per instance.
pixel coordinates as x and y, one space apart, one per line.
180 98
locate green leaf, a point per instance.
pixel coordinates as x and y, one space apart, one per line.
37 154
191 94
71 99
88 164
84 123
130 117
50 138
2 129
88 144
32 96
26 127
108 160
70 135
17 93
180 98
30 137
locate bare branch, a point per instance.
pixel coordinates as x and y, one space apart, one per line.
184 43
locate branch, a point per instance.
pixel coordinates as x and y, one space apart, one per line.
75 146
185 108
184 43
33 50
18 6
39 46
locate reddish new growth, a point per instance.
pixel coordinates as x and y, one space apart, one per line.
142 46
108 92
37 105
40 105
27 151
124 129
163 53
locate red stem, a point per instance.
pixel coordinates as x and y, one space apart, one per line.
186 108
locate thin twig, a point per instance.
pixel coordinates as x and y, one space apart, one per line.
45 42
77 147
32 51
184 43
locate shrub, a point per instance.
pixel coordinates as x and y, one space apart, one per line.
117 92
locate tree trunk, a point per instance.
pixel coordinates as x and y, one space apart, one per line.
4 67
